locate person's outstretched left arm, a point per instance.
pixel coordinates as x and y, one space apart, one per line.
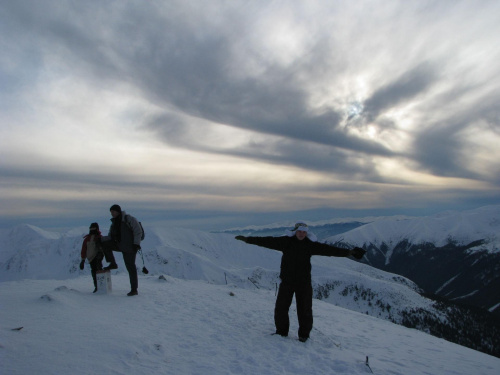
334 251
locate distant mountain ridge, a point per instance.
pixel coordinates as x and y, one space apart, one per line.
339 225
460 227
455 255
321 230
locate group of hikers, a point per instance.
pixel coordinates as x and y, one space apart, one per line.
298 246
124 236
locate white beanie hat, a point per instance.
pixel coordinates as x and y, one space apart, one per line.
301 225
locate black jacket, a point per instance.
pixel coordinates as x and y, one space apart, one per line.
296 259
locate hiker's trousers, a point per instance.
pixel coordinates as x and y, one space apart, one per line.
303 299
128 259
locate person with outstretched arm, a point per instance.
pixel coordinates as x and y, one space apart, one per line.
298 246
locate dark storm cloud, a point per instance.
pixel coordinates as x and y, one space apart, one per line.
103 185
308 156
48 177
405 88
270 104
443 147
290 151
438 150
176 62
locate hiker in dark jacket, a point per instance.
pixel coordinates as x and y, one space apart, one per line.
124 236
92 250
297 247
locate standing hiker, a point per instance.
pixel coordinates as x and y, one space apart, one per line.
297 247
92 250
124 236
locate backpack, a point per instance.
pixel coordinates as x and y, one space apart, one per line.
143 235
92 248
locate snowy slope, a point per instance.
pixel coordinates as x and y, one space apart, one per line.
217 258
192 327
212 257
461 227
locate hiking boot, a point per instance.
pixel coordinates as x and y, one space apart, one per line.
112 266
303 339
132 293
282 334
95 290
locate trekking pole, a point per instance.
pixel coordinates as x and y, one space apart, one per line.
253 283
368 364
144 269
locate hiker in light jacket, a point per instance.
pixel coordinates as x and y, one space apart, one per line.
124 236
297 247
92 250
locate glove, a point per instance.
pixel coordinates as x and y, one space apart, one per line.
82 264
137 248
358 252
240 238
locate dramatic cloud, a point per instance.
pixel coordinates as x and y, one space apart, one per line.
248 106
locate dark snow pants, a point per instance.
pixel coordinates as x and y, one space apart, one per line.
108 247
303 298
128 259
96 265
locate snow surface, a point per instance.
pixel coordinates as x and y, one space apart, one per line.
191 322
192 327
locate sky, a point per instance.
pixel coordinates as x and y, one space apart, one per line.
227 113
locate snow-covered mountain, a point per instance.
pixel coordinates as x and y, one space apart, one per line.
217 258
459 227
455 255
